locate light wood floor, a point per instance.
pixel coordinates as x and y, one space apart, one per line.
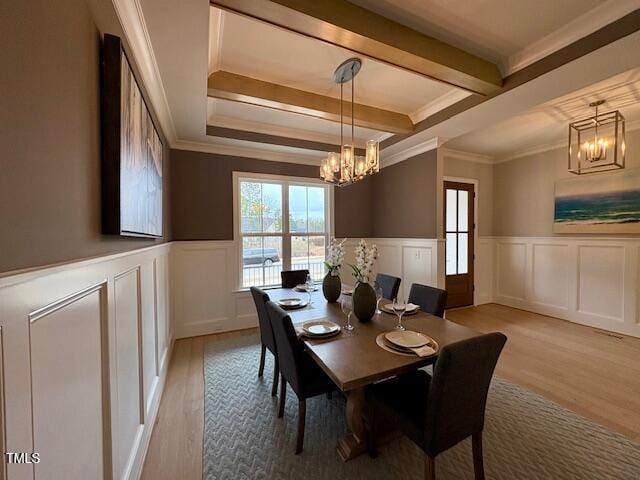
590 372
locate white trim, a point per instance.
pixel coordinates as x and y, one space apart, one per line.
476 235
443 101
131 18
410 152
468 156
215 53
260 154
285 235
581 26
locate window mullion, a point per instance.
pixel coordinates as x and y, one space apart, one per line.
286 234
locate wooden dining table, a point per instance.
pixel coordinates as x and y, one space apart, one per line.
354 360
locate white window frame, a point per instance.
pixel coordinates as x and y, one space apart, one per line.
285 181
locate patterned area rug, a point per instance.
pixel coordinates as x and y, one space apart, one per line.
525 437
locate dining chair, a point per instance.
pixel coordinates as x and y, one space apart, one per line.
438 412
430 299
296 368
291 278
389 284
260 298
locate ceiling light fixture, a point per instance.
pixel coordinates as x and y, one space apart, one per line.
597 144
346 167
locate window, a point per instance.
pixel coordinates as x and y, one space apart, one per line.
457 231
282 224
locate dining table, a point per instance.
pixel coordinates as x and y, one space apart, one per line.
353 359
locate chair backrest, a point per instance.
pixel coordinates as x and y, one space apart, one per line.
260 298
389 284
289 346
458 391
291 278
430 299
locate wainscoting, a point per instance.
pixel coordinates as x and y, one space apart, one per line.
591 281
84 351
205 294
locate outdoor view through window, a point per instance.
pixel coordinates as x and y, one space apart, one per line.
283 226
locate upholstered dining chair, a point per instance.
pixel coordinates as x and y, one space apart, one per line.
260 298
438 412
296 368
430 299
389 284
291 278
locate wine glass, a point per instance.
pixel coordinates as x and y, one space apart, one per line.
347 309
308 286
399 307
378 290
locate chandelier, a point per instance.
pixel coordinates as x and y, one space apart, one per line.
346 167
597 144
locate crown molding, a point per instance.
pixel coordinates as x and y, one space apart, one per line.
629 127
581 26
131 18
468 156
443 101
426 146
246 152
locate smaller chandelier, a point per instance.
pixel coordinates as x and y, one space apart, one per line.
346 167
597 144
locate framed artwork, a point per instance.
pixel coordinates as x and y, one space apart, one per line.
598 203
131 151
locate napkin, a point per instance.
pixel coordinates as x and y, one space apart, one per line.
424 351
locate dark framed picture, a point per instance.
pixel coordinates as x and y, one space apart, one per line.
131 151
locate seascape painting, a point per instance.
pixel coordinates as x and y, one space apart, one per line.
599 203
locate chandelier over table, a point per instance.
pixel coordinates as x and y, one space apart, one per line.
346 167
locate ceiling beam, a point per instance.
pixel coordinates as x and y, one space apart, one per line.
238 88
245 135
346 25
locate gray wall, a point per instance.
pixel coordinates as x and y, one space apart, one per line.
524 189
455 167
398 202
403 199
50 134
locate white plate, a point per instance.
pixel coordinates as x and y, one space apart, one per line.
411 308
303 288
407 339
320 328
290 302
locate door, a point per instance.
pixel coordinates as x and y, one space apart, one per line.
459 233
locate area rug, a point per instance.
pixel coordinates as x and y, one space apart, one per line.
525 437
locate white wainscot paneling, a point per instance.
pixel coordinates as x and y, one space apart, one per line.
550 275
202 288
601 281
587 280
484 271
68 345
129 408
80 374
511 270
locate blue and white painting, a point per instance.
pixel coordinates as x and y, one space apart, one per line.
598 203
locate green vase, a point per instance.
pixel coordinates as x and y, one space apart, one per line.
364 302
331 287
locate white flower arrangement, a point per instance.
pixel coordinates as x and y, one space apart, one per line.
365 259
335 256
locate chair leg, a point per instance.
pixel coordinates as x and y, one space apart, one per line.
283 396
302 413
262 356
276 376
429 468
478 464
